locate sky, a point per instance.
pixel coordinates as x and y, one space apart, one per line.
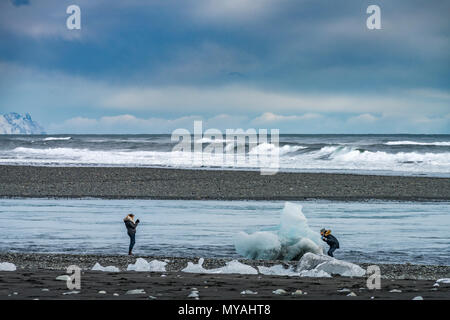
300 66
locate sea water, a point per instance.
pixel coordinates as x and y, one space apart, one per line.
373 231
416 155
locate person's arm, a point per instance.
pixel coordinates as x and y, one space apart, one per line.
130 225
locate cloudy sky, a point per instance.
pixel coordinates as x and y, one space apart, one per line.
303 66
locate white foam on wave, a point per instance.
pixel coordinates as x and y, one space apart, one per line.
417 143
57 138
143 265
270 148
292 239
230 267
328 158
351 158
215 140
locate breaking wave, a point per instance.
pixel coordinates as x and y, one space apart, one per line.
57 138
293 156
405 143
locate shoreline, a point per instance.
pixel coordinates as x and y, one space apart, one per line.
188 184
35 278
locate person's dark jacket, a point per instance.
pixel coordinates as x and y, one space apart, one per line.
131 226
331 240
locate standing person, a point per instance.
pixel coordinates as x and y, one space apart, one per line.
330 240
131 230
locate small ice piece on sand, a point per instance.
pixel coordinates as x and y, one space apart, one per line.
344 290
143 265
351 294
278 270
230 267
7 266
297 293
194 294
314 273
99 267
443 280
418 298
115 294
249 292
102 292
329 265
279 291
436 285
71 292
152 297
395 290
136 291
45 289
64 277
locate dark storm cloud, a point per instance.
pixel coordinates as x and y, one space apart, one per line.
279 47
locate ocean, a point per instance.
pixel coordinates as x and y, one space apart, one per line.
413 155
372 231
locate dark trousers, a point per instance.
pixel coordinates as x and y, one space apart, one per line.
330 252
132 241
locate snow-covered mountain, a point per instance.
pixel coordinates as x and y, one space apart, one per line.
14 123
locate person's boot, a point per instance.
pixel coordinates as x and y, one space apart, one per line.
130 253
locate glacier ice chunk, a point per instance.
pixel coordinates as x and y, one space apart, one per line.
290 241
99 267
314 273
144 265
259 245
7 266
278 270
233 266
315 263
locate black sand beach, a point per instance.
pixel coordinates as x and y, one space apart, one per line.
36 275
152 183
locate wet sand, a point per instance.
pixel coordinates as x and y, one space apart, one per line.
152 183
36 275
